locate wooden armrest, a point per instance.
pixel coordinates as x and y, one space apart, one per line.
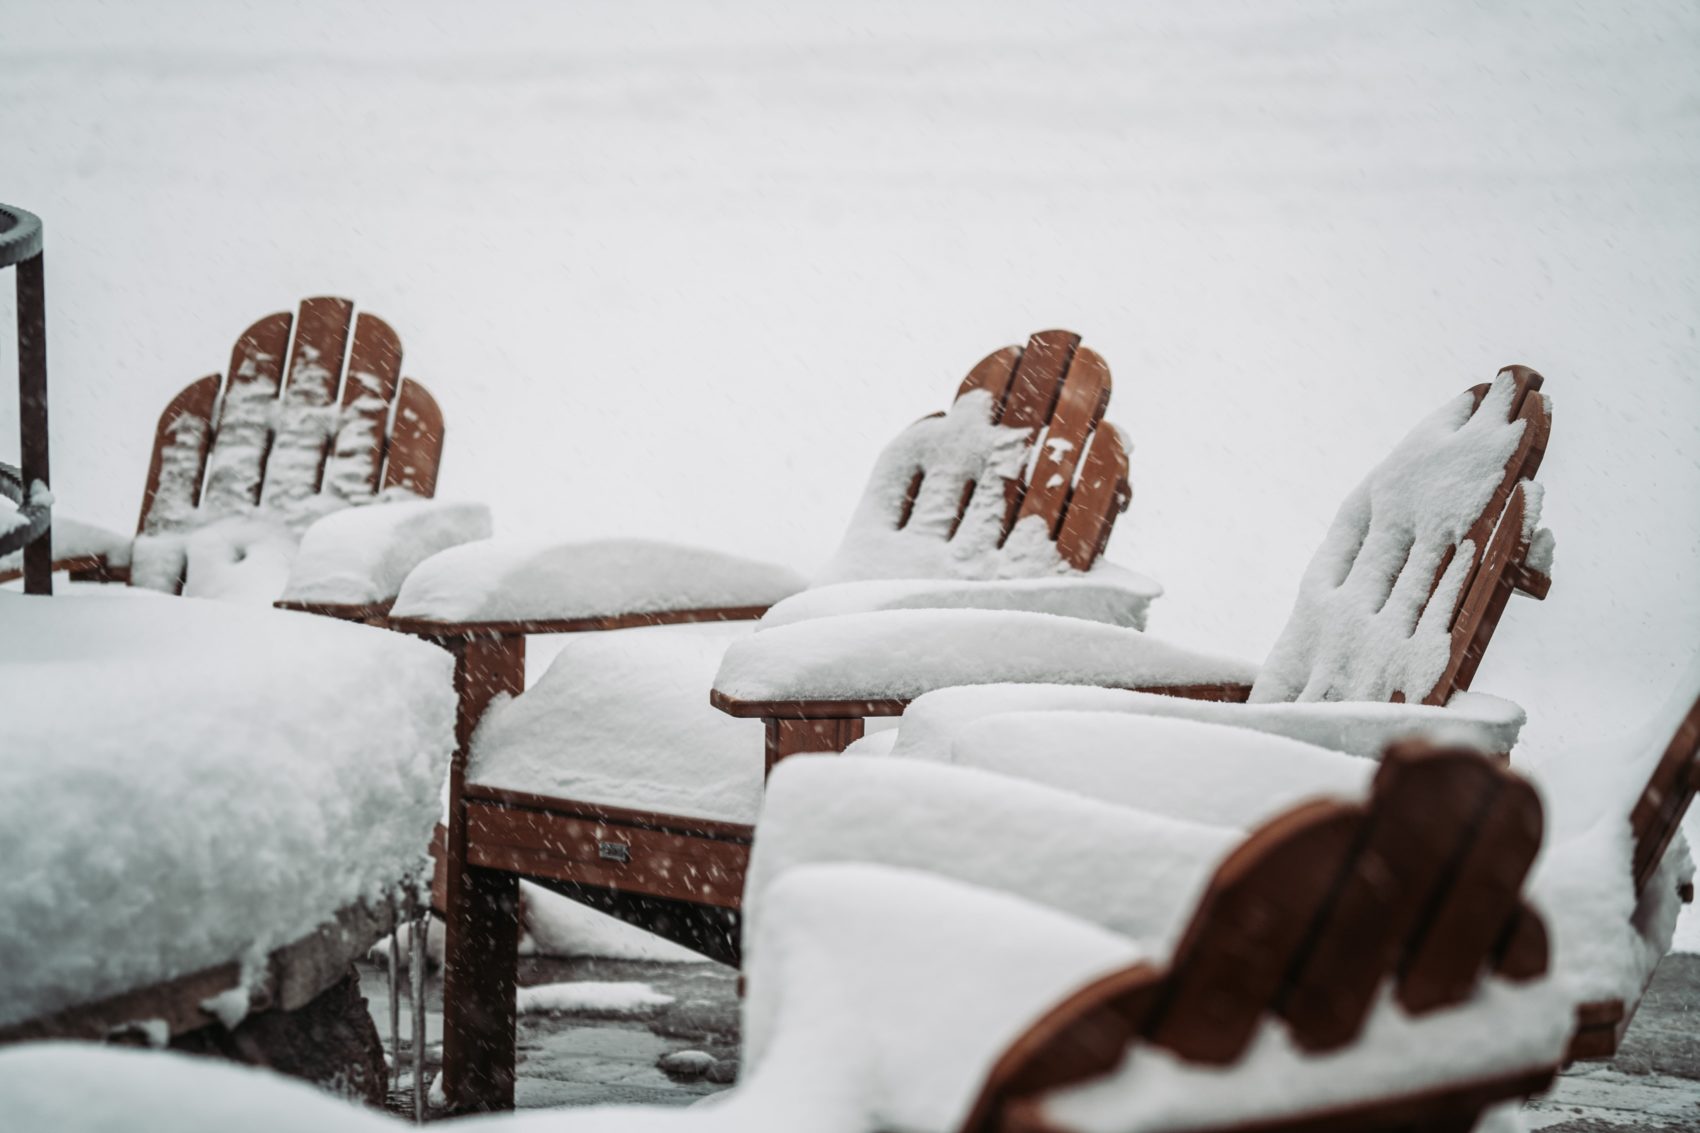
805 709
371 613
427 627
1527 580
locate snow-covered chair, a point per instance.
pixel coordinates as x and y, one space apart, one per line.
243 466
204 808
1397 606
613 780
1356 963
1094 786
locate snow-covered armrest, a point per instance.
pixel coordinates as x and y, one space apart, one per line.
538 586
77 546
358 557
873 664
1107 593
932 725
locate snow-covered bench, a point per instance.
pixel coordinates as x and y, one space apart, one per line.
613 779
246 469
1353 964
1398 605
205 808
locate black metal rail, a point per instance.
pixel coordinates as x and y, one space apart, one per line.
20 248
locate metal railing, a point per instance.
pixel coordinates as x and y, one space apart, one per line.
29 527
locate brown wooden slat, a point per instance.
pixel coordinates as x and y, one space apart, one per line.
893 706
993 374
737 832
1102 494
787 737
367 613
1524 950
355 464
1659 810
1484 601
1080 406
606 855
1245 936
1479 904
180 445
1032 395
416 441
237 464
306 413
426 627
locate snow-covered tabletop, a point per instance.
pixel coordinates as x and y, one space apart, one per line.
187 783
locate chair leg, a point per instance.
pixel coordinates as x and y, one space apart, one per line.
478 990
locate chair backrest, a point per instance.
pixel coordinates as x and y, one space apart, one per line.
1402 598
276 444
1658 812
1021 477
1419 885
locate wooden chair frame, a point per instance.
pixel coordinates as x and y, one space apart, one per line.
357 375
1305 922
1654 821
682 877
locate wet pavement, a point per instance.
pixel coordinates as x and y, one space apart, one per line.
1653 1086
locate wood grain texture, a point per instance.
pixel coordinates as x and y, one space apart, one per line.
416 441
427 627
1101 495
186 426
1080 406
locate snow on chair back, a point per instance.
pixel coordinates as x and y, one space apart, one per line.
1417 887
1401 599
1660 808
276 446
1021 477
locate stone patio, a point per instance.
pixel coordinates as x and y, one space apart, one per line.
1653 1085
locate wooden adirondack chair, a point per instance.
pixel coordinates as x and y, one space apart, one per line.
1304 924
679 876
1654 821
1304 665
229 444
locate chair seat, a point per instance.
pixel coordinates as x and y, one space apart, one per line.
186 784
622 718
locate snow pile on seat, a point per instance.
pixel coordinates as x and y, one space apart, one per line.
1182 769
1364 626
1605 943
1487 723
1131 871
949 451
360 556
237 552
187 784
502 580
1503 1029
622 718
1107 593
72 539
900 654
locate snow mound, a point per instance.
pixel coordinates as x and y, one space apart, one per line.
622 718
1360 629
930 725
361 555
1183 769
901 654
515 580
950 450
1106 593
186 784
1131 871
591 997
